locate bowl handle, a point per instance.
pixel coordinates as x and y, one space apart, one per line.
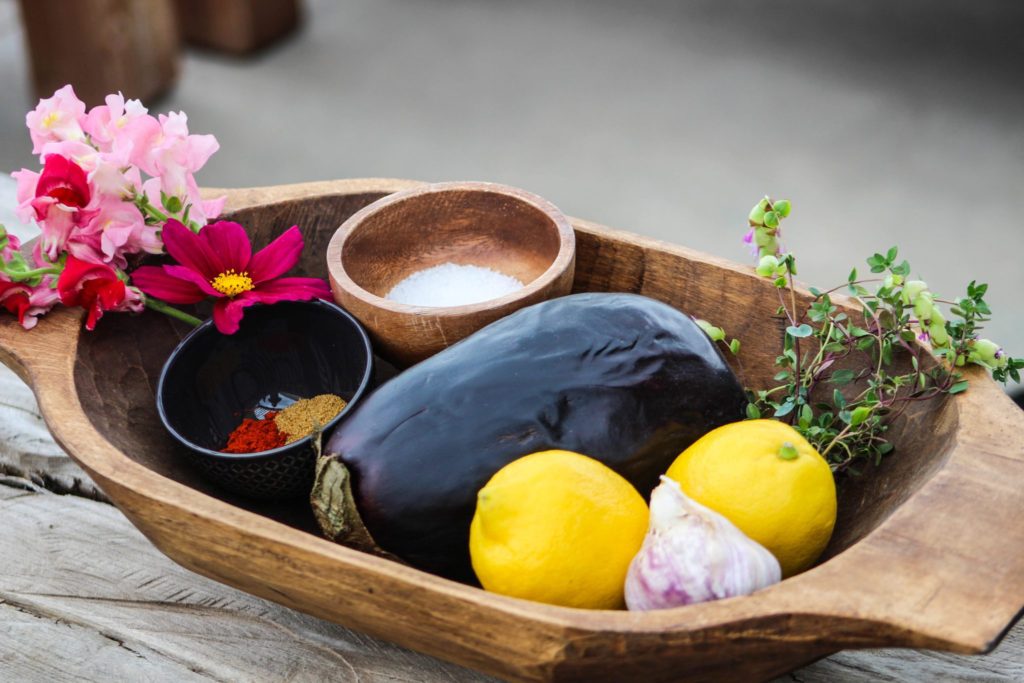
946 569
51 343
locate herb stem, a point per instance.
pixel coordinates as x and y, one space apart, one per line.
838 439
855 282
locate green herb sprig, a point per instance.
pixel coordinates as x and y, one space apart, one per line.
844 407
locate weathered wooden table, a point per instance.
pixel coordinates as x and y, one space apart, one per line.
84 596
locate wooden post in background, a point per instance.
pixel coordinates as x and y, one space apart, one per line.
102 46
237 26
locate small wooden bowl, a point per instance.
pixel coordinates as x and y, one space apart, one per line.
482 224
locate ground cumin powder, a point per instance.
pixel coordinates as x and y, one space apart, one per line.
302 418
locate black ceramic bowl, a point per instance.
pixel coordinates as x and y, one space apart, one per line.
212 381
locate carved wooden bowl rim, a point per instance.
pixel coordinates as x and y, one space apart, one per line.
562 261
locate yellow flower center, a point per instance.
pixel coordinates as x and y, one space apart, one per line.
231 283
50 119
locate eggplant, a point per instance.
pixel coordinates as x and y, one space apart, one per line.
621 378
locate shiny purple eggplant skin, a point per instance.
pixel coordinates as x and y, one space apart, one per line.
621 378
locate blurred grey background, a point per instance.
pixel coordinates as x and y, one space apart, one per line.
884 123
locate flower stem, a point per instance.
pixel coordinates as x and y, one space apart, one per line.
29 274
163 307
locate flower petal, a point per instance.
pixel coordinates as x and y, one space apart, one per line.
291 289
227 313
156 282
278 257
230 243
185 247
183 273
72 281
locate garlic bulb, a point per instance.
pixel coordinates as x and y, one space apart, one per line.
693 554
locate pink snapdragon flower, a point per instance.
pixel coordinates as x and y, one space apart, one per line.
175 155
56 119
111 177
121 128
26 302
59 199
96 288
10 245
115 229
218 262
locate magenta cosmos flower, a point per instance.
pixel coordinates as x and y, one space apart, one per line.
218 262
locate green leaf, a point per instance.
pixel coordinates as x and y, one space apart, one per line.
865 343
782 207
885 448
800 332
959 387
771 219
734 346
838 399
753 413
891 254
781 376
785 409
815 291
902 269
788 451
859 414
833 347
841 377
806 416
852 276
780 282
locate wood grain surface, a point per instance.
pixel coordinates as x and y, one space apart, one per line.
935 561
69 612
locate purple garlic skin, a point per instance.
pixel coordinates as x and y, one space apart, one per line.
693 554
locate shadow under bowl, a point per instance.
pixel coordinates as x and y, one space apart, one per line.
212 381
466 223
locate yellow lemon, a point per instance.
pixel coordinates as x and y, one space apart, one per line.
767 480
557 527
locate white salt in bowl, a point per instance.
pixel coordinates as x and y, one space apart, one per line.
507 231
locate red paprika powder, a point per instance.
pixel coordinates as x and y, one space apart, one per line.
253 436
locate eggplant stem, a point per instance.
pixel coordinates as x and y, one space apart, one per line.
335 509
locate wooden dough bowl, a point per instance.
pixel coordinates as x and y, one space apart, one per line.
928 550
